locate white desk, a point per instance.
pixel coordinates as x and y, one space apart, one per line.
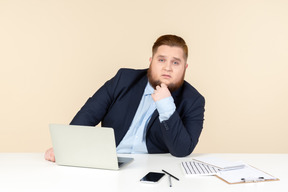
30 172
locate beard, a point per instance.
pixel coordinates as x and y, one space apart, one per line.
172 86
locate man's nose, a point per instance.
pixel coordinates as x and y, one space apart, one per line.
167 66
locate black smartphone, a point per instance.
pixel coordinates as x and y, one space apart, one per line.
152 177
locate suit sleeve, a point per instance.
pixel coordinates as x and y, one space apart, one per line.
181 134
96 106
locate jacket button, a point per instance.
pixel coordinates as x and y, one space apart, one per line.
166 127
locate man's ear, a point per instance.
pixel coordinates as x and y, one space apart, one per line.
186 66
150 59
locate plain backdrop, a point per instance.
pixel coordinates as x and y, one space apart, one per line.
55 54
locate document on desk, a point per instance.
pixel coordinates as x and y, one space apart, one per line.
248 174
209 166
198 168
230 172
221 164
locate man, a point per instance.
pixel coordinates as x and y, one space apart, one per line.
151 111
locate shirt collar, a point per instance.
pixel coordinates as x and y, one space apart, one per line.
148 89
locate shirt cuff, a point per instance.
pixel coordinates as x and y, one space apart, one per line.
166 107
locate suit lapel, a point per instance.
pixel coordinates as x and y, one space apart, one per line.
135 98
154 116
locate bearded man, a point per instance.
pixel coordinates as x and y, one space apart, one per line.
151 110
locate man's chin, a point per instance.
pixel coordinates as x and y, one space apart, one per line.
159 82
174 86
171 86
166 83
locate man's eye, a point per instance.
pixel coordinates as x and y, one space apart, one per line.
175 63
161 60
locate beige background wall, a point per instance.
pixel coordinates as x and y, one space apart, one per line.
55 54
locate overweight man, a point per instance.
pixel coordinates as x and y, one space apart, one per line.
151 110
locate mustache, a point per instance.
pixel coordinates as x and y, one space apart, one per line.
172 86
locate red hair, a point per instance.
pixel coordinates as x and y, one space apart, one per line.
173 41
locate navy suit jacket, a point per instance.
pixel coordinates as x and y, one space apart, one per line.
116 102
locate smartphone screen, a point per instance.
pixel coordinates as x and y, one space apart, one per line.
152 177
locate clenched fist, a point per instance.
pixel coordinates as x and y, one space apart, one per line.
161 92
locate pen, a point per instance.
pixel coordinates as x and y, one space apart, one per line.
170 175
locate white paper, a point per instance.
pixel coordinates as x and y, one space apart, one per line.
220 163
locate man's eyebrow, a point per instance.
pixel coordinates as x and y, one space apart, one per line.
176 58
163 56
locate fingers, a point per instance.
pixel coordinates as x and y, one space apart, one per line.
162 85
49 155
161 91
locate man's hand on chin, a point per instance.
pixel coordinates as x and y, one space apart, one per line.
161 92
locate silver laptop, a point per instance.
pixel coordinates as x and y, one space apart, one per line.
85 146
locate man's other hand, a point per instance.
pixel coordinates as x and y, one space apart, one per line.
49 155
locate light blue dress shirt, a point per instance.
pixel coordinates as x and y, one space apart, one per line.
135 139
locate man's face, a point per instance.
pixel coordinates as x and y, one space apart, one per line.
167 66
